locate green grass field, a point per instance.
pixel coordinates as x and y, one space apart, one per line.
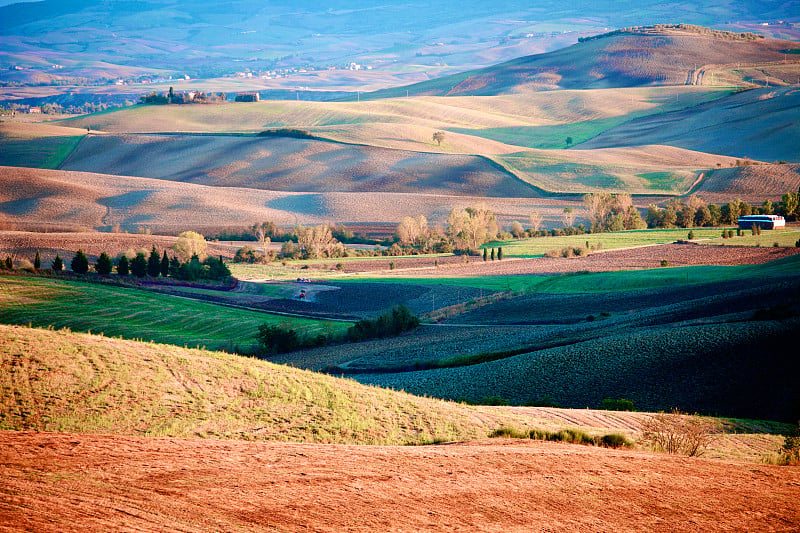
47 152
137 314
604 241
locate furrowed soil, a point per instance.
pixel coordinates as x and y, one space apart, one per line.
73 482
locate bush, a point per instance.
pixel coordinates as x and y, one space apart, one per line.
509 433
790 451
615 440
664 263
400 319
691 235
275 339
678 433
617 404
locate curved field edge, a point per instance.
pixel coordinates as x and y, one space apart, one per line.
139 314
77 383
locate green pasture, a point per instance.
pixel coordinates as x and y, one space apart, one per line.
587 282
44 152
137 314
782 236
547 137
538 246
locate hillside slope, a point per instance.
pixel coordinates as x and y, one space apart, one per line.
762 124
298 165
620 59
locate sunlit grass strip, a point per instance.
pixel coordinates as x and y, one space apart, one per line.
138 314
605 241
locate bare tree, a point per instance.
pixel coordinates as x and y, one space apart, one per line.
679 433
413 231
535 219
568 217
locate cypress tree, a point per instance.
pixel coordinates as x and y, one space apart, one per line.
80 263
58 264
500 253
103 265
485 255
153 263
37 261
165 265
123 266
139 265
492 254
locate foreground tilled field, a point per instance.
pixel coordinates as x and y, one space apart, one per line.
58 482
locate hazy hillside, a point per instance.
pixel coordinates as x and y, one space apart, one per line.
93 39
619 59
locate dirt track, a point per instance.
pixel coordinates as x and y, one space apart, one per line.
54 482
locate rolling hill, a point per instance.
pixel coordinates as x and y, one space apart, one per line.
625 58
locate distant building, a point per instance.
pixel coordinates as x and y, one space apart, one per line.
36 109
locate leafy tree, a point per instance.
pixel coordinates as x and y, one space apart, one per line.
153 263
164 268
790 204
438 137
37 261
190 243
517 230
103 265
139 265
716 215
767 208
58 264
123 266
569 141
472 226
80 263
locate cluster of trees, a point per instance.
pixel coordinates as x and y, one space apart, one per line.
153 265
274 339
612 212
172 97
695 212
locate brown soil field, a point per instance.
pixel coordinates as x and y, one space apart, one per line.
299 165
752 183
40 198
73 482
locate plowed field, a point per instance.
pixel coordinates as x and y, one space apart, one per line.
65 483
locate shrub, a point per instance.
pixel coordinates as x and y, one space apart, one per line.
26 266
790 451
615 440
678 433
691 235
400 319
617 404
509 433
664 263
276 339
